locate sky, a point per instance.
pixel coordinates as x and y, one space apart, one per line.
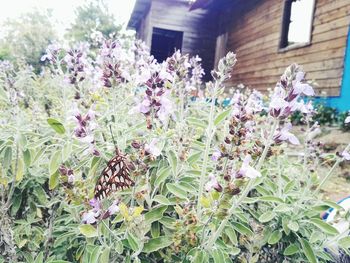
62 10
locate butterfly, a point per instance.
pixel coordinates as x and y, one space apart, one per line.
114 177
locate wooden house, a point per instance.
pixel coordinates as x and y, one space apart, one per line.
266 35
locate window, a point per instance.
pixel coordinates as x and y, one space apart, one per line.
164 43
297 23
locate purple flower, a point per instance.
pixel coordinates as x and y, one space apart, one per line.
302 88
152 148
247 170
285 135
216 155
114 208
213 184
95 203
90 217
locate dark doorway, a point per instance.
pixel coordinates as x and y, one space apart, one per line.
164 43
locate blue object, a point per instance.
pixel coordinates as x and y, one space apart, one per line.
342 102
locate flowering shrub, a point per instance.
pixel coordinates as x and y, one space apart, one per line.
186 180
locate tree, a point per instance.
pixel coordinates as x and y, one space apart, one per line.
26 38
93 16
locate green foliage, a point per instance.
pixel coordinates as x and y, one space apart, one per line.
26 38
93 17
56 138
325 116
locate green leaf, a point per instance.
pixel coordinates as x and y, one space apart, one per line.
271 199
157 243
231 233
218 256
20 170
155 229
162 176
196 122
289 186
294 226
344 242
88 230
323 226
27 158
285 222
6 163
242 229
308 251
66 151
194 158
282 208
155 214
133 242
95 254
119 247
291 250
267 216
161 199
274 237
39 258
333 205
175 190
221 117
56 125
172 158
55 162
54 180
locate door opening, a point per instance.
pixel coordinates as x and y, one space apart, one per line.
165 42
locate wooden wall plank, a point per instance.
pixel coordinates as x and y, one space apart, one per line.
255 34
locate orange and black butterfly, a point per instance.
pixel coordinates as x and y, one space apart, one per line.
114 177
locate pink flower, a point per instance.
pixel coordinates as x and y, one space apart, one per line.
216 155
213 184
247 170
285 135
152 148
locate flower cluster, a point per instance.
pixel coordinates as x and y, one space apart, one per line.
52 53
285 98
77 64
67 172
85 127
96 212
111 58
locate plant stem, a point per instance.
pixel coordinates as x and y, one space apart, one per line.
326 178
210 134
246 191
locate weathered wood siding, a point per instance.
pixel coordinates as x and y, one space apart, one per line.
198 27
254 34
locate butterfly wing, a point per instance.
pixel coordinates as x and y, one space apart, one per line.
113 178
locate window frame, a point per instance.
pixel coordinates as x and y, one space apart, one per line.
285 24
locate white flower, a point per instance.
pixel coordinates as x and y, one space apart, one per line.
152 148
347 120
247 170
346 155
